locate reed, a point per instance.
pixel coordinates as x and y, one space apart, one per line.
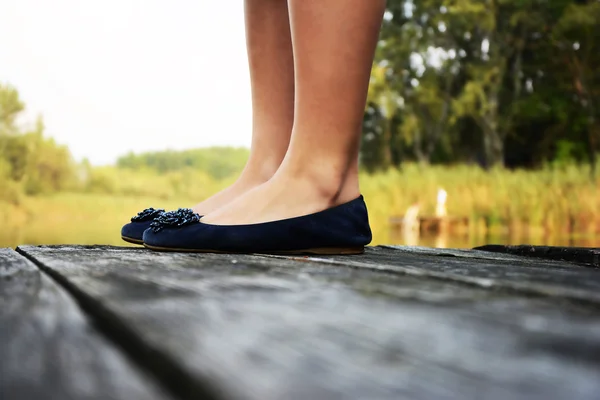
549 201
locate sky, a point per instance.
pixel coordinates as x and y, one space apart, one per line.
113 76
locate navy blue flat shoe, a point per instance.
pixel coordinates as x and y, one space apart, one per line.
343 229
133 231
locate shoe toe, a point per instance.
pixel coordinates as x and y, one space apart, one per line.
157 239
149 237
135 230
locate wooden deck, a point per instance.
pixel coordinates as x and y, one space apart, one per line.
395 323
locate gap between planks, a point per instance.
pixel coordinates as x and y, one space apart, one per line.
168 373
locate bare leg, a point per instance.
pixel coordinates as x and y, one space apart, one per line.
272 80
334 42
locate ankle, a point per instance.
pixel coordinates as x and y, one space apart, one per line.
334 185
258 172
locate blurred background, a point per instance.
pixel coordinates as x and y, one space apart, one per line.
482 123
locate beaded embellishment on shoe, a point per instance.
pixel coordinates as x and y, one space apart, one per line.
147 215
178 218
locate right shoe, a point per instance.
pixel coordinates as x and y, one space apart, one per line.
134 230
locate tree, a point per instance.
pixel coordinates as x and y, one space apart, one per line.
10 107
34 163
577 40
517 78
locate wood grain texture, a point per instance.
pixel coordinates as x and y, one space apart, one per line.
581 255
349 327
49 350
484 269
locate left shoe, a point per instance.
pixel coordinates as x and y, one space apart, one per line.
343 229
134 230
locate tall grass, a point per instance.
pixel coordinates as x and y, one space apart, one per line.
549 201
555 201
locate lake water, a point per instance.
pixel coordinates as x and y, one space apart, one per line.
466 242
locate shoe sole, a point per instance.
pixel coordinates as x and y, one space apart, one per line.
330 251
132 240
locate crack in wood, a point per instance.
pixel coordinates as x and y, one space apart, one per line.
159 364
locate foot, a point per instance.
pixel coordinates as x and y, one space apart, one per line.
286 195
225 196
249 179
339 230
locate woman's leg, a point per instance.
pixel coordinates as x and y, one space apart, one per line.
334 43
272 80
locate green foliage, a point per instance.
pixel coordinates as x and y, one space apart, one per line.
10 107
30 163
567 153
495 81
187 183
217 162
10 191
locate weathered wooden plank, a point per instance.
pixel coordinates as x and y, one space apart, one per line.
272 328
49 350
485 269
581 255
